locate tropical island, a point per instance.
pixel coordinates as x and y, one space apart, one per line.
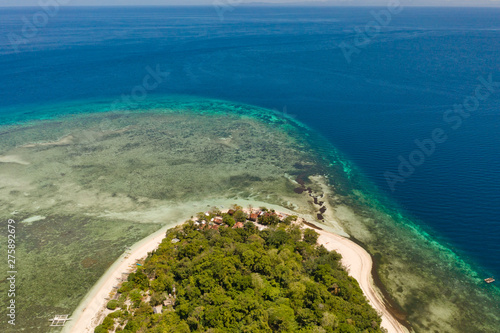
93 187
240 271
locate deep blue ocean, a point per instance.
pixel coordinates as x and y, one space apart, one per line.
395 88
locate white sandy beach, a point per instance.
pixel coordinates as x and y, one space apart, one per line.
359 264
92 310
86 317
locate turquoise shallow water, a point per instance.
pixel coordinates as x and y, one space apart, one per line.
408 258
393 92
373 109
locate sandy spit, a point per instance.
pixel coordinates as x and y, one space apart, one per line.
87 316
359 263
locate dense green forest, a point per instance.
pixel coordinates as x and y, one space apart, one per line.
229 276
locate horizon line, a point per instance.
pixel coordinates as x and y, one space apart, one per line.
263 4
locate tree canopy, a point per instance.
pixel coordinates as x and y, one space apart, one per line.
241 280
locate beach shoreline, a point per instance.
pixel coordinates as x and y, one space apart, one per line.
87 315
358 263
91 309
355 259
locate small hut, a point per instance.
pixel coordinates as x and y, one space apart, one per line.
238 225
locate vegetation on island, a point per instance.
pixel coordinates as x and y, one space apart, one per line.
233 272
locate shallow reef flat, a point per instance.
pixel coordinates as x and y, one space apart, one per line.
93 178
84 187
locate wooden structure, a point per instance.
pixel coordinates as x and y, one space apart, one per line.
489 280
59 320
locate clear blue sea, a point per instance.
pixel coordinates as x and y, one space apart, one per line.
395 89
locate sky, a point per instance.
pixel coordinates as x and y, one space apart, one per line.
479 3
